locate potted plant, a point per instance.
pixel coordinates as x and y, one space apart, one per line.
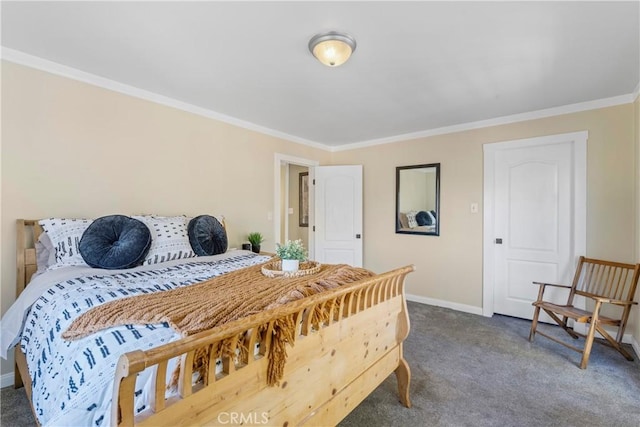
291 253
255 239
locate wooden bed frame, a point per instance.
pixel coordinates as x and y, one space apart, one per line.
331 367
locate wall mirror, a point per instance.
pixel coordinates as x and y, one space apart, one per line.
418 199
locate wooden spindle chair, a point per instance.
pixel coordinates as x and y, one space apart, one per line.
602 282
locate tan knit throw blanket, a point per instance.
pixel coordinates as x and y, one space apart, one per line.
225 298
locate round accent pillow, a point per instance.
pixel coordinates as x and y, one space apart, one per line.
423 218
207 236
115 242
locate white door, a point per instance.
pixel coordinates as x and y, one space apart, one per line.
534 223
338 214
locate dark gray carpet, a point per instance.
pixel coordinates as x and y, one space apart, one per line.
469 370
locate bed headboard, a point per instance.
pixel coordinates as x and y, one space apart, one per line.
28 232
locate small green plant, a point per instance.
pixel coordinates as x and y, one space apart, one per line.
291 250
255 238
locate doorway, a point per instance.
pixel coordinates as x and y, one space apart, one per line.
534 218
286 216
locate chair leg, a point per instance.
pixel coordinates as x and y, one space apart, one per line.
615 344
534 323
562 323
566 327
587 346
590 336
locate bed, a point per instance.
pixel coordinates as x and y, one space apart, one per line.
344 343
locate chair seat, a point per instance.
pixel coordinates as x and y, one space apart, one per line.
574 313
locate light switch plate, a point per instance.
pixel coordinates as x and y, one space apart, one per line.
474 208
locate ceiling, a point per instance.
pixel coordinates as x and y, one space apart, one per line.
418 65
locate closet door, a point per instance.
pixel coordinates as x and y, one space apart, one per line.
535 227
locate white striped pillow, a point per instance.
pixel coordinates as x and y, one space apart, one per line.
169 238
65 235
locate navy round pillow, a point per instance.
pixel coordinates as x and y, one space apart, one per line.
115 242
207 236
423 218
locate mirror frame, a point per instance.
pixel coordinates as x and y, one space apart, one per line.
399 230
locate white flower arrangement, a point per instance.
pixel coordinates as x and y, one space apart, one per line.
292 250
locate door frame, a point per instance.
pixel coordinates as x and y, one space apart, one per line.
579 206
279 161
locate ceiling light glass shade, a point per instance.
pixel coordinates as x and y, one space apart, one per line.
332 49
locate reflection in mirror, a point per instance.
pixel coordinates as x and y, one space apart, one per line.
418 199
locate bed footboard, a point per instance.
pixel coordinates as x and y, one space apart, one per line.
331 365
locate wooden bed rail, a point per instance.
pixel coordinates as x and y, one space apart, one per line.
26 252
25 266
377 298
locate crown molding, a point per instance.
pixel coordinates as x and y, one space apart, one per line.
36 62
532 115
42 64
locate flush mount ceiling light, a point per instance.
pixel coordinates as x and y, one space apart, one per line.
333 48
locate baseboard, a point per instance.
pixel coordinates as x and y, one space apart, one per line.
635 345
446 304
6 380
626 338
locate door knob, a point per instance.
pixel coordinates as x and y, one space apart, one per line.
498 241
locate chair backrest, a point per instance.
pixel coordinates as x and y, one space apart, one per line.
606 279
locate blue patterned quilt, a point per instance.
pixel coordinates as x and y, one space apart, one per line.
72 381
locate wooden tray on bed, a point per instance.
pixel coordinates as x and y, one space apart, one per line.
274 269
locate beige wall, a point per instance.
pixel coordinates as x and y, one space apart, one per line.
75 150
449 267
295 231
